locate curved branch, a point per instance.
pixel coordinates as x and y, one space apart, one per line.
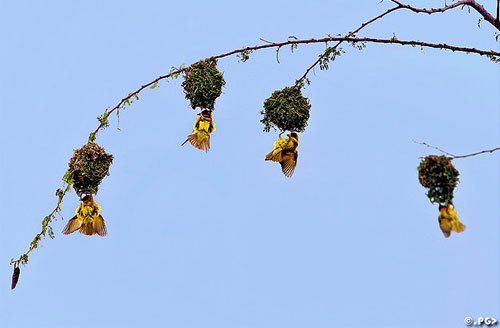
103 122
324 54
401 5
103 119
434 147
456 156
358 40
478 153
494 55
471 3
23 259
490 53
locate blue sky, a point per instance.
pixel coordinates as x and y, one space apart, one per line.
223 239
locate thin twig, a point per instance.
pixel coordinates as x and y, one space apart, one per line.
34 244
130 95
264 40
487 16
434 147
457 156
324 54
471 3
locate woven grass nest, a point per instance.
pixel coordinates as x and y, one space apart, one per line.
287 110
87 168
203 83
440 177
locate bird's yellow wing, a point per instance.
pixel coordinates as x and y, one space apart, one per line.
456 225
196 123
73 224
289 162
276 154
292 143
212 126
99 226
209 126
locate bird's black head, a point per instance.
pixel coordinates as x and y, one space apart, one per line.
87 198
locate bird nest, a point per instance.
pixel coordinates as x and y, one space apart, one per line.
203 83
286 110
87 167
440 177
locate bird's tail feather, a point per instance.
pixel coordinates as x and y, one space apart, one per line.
97 226
203 144
87 229
100 226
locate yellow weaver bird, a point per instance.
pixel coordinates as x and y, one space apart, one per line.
449 221
203 127
285 153
88 219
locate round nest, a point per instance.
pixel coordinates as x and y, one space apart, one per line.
440 177
287 110
203 83
87 167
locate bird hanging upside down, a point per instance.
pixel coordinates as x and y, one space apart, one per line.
203 127
449 221
88 219
285 153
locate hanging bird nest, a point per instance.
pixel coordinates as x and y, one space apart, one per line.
87 167
286 110
440 177
203 83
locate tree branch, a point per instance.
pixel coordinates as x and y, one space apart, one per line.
478 153
372 40
498 11
103 119
471 3
400 5
103 122
494 55
23 259
324 54
457 156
